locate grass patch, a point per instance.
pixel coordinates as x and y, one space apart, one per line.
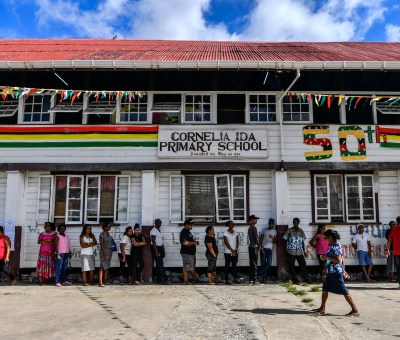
286 285
299 292
307 300
315 289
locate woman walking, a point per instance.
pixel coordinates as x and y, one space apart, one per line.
320 244
138 242
46 265
124 256
211 254
87 241
105 253
333 281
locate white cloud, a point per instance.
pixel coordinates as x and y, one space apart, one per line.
176 19
300 20
271 20
392 33
99 22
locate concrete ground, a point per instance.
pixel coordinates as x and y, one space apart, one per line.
195 312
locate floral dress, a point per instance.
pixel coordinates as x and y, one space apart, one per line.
46 265
334 282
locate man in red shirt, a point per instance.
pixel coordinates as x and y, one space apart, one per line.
5 256
394 237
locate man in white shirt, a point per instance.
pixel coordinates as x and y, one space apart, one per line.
362 243
267 240
158 251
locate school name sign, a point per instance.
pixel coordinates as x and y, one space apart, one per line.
208 142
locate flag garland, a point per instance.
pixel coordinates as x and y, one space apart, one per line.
351 101
14 92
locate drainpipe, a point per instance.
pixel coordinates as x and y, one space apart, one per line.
281 120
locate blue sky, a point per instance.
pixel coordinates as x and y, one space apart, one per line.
257 20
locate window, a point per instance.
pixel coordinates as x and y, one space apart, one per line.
133 111
231 109
294 109
262 108
388 113
36 109
347 198
91 199
208 198
8 110
66 113
166 108
322 114
197 108
360 113
100 111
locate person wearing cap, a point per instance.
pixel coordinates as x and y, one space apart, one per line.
188 251
394 239
362 243
158 251
295 238
253 249
267 240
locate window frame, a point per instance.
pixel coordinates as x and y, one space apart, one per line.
84 198
21 110
248 112
129 122
346 220
291 121
211 103
231 177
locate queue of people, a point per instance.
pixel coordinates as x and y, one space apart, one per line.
54 253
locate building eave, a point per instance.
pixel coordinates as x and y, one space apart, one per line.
201 65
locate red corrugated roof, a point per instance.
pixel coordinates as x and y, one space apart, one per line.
173 51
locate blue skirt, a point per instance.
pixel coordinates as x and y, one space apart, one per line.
334 283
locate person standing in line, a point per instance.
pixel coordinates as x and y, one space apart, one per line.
231 241
87 241
267 240
211 255
320 244
362 243
5 248
105 253
124 256
138 242
394 238
253 249
46 265
63 253
158 251
295 251
188 251
390 266
332 278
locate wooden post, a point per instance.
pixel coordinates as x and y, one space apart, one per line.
281 261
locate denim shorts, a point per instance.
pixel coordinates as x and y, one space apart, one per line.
363 258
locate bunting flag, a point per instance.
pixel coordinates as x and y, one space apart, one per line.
72 95
328 99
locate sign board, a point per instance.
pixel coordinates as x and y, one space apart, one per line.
212 142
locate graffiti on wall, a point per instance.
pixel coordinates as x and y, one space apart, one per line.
385 137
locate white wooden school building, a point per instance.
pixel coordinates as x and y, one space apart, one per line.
130 131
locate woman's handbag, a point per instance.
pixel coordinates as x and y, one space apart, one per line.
113 245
